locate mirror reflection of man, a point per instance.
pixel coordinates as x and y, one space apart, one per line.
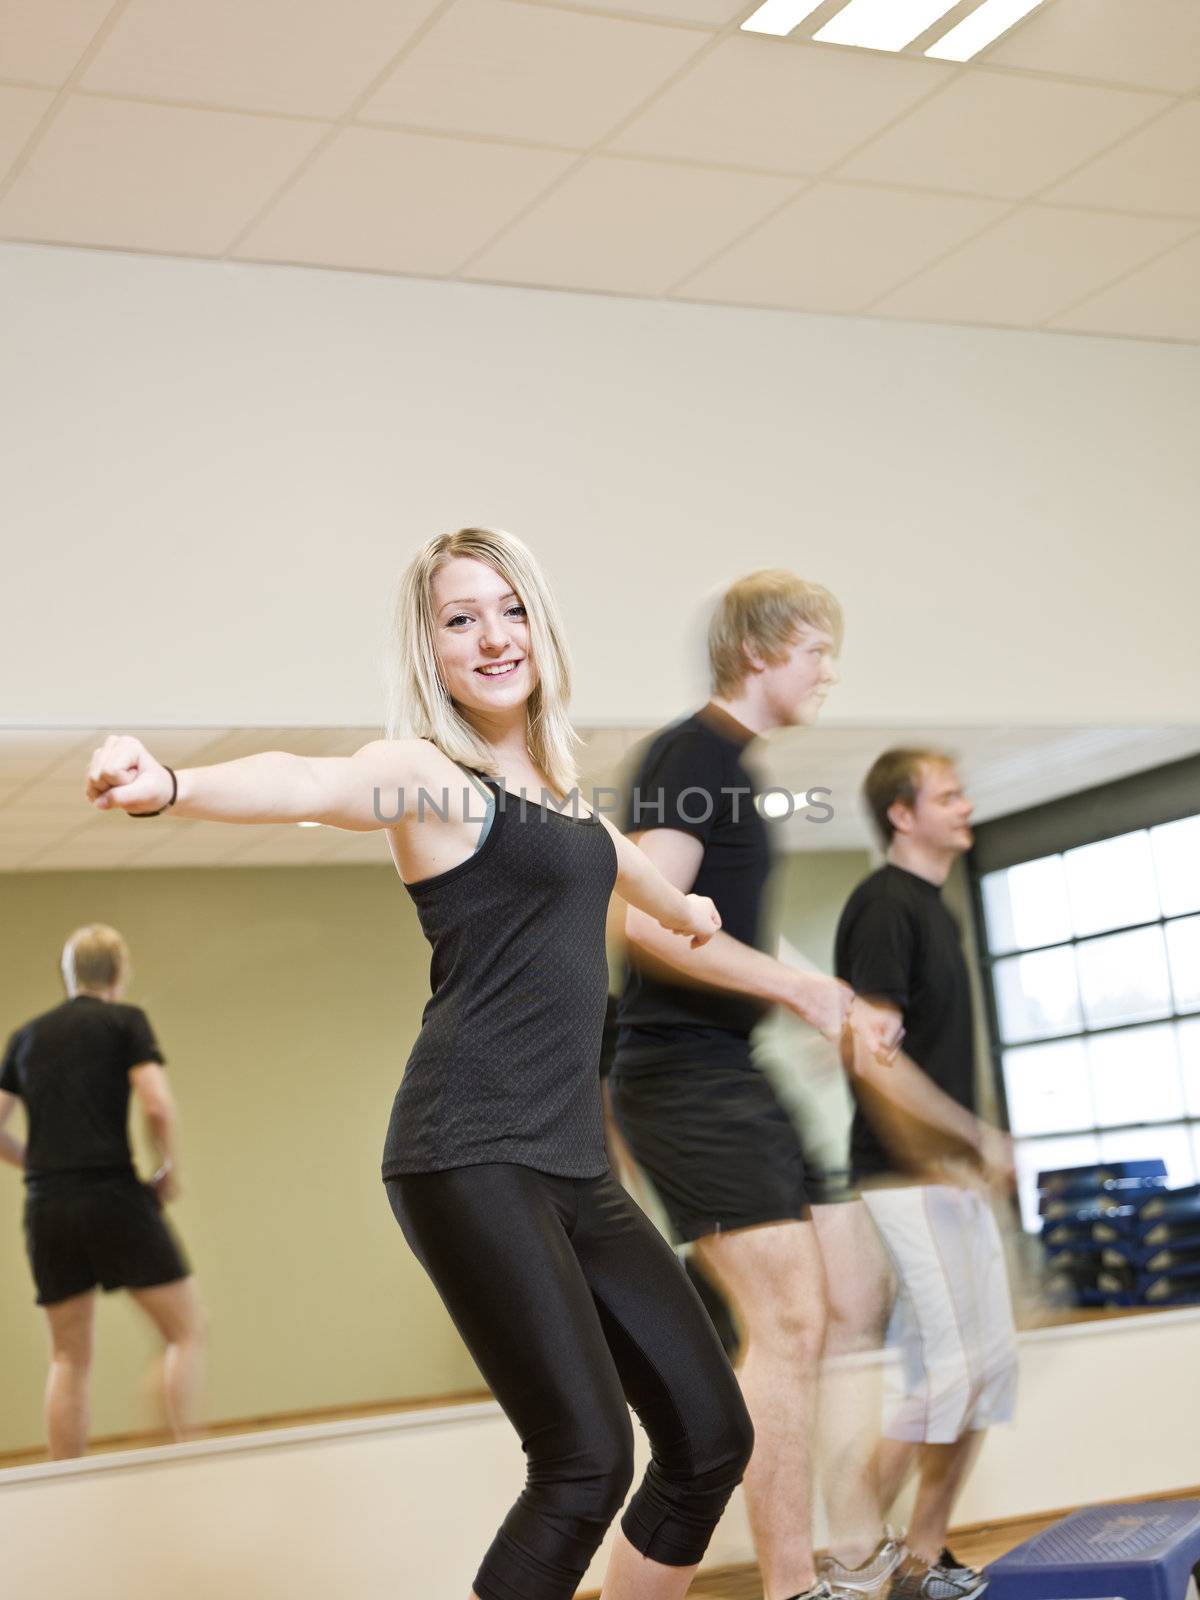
924 1161
89 1221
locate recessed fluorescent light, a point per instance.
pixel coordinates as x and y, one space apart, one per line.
973 33
882 24
310 824
780 16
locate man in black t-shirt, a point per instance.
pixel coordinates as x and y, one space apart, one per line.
921 1155
698 1115
89 1221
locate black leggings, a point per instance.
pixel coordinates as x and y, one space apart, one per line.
571 1303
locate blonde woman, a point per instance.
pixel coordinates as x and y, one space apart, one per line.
568 1299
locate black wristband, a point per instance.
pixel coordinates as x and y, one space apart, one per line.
174 796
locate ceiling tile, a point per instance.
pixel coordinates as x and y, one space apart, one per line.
631 226
989 133
151 177
838 247
783 107
1031 266
530 72
20 112
42 40
1156 169
398 202
313 59
1162 301
1155 43
705 13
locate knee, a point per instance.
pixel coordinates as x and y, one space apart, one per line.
793 1330
587 1476
731 1446
73 1363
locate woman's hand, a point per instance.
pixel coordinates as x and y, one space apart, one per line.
124 776
701 921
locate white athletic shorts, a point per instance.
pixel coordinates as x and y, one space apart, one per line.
952 1322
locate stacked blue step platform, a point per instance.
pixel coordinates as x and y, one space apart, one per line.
1116 1235
1149 1551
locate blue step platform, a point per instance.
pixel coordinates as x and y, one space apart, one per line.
1134 1552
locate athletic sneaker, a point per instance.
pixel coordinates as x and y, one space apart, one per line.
949 1562
869 1579
820 1590
913 1580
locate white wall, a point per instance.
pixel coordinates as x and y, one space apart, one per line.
213 474
406 1506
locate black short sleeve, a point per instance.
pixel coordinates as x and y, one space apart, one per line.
678 787
140 1044
877 952
9 1081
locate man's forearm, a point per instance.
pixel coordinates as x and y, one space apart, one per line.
723 963
163 1136
904 1085
12 1150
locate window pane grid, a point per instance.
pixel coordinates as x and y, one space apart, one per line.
1097 1037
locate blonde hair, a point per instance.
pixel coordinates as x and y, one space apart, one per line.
419 705
765 610
896 775
95 957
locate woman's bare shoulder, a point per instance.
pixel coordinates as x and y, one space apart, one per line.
409 763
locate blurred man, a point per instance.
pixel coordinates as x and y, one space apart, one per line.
696 1112
924 1162
89 1221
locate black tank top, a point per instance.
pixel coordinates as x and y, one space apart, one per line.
506 1065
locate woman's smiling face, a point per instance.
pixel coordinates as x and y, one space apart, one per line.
482 638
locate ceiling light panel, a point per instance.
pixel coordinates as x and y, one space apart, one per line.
882 24
780 16
981 28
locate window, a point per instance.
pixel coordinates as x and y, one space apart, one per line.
1094 960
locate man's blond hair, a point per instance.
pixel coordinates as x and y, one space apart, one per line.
763 612
95 958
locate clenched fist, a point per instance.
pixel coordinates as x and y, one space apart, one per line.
124 776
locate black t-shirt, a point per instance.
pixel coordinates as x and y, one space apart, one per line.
898 941
71 1068
691 778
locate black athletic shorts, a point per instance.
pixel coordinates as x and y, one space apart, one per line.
712 1137
108 1230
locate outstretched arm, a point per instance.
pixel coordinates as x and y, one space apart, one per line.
11 1149
358 792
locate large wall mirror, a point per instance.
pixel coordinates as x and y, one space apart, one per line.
284 972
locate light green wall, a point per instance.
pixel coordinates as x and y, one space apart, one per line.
285 1000
808 892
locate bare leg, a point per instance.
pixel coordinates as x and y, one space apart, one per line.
175 1310
774 1277
894 1461
72 1338
633 1576
861 1288
944 1469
